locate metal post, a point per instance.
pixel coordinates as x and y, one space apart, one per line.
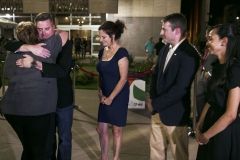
3 77
192 133
195 104
74 81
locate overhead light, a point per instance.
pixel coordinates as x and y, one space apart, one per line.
82 21
77 19
66 17
237 17
8 15
83 17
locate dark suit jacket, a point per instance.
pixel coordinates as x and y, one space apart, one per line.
170 90
61 71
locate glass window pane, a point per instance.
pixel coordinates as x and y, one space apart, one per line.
96 38
62 19
96 48
96 21
83 21
20 19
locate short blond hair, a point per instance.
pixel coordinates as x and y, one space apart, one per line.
27 32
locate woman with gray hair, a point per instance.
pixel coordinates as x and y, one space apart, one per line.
29 104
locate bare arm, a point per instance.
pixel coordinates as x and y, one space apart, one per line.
227 118
201 121
123 70
149 105
38 50
63 35
100 94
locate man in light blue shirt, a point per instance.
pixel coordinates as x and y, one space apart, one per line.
149 47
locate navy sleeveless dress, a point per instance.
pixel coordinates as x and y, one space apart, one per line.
116 113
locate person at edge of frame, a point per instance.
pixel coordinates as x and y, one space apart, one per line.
61 71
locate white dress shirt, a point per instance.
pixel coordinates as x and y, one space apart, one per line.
171 51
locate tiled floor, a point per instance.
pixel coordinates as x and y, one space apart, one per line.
85 138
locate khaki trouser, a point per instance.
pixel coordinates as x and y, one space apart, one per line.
162 135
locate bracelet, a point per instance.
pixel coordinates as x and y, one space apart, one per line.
34 64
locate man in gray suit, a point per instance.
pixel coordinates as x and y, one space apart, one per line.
205 75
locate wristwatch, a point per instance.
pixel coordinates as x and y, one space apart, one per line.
34 64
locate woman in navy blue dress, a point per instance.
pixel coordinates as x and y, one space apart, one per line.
218 129
113 87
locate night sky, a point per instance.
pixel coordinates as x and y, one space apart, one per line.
217 7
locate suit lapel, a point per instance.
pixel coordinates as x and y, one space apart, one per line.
163 58
176 53
163 54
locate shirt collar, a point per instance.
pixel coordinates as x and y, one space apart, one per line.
176 46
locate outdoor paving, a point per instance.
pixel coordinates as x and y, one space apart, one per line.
85 143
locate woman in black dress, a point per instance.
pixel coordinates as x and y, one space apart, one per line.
113 87
218 129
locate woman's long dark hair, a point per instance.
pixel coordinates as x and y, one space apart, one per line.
230 31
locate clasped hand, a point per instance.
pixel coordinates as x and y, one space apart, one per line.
200 138
149 105
25 62
105 100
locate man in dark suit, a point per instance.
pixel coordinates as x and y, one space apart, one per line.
170 90
61 71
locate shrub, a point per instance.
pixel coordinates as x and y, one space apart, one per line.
93 60
131 60
142 67
84 78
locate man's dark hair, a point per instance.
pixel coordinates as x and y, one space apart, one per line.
43 16
177 20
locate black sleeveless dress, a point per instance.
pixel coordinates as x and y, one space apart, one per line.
226 144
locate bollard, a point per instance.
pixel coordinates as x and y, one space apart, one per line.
194 110
195 104
3 77
74 81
